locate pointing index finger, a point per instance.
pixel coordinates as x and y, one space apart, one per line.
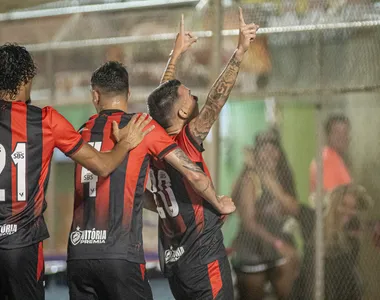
241 17
182 25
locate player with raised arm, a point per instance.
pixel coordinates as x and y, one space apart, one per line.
105 252
191 247
28 136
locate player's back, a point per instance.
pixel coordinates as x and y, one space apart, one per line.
108 211
26 148
189 226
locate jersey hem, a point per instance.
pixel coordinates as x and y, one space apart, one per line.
106 257
178 267
10 247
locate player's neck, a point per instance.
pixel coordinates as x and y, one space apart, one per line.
176 127
114 104
20 97
173 130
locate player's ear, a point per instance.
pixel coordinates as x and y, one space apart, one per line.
182 113
129 95
95 97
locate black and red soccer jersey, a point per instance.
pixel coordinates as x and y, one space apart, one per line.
108 211
28 136
189 228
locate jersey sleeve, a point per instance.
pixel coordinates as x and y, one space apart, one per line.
159 143
189 145
66 138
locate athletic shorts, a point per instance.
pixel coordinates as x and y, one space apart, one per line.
203 282
22 273
107 279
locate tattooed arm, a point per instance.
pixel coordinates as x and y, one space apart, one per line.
200 182
169 72
183 42
220 91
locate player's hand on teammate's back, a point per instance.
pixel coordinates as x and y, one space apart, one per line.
247 33
134 132
227 206
184 39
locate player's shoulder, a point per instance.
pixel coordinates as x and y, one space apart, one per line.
185 139
47 111
157 126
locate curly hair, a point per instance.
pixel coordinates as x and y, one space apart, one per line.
16 68
111 77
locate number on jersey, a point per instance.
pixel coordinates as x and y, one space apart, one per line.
19 160
161 187
87 176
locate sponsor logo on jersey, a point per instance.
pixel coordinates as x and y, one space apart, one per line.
172 255
8 229
88 236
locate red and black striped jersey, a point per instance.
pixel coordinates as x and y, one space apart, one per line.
28 136
189 227
107 220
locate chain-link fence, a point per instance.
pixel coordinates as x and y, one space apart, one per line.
274 173
304 224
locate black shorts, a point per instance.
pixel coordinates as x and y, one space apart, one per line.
107 279
22 273
204 282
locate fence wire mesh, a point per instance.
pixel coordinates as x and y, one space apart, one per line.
272 165
313 61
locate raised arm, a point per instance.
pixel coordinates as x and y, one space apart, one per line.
104 163
199 181
220 91
183 42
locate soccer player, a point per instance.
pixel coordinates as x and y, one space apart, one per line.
105 252
28 136
191 247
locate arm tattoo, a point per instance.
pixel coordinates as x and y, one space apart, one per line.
208 185
216 99
169 73
186 162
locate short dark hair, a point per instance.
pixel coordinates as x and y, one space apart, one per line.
161 101
111 77
16 68
333 119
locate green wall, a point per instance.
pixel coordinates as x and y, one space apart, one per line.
299 140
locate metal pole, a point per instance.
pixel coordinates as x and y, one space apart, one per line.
217 46
123 40
319 239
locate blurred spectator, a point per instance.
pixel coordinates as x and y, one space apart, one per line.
343 224
265 195
335 171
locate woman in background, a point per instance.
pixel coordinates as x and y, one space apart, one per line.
265 196
343 224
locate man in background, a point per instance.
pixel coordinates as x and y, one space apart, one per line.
335 171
